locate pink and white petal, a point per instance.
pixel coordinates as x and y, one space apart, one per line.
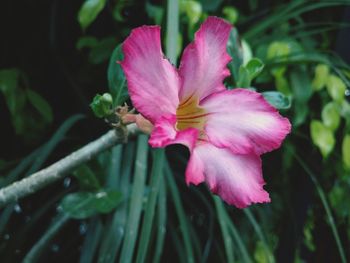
164 133
203 63
244 121
237 179
153 83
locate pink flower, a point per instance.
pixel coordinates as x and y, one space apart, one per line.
226 131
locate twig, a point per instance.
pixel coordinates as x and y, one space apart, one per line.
58 170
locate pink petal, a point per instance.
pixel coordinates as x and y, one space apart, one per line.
243 121
203 63
237 179
164 133
153 82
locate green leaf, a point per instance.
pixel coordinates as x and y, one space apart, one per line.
155 12
8 80
28 124
82 205
248 72
260 253
278 49
255 66
89 11
86 177
106 201
9 86
116 77
277 99
301 85
282 84
231 14
243 78
193 10
346 151
330 116
102 51
322 137
336 88
86 42
118 10
79 205
302 91
40 104
234 49
210 5
321 77
247 53
101 105
340 199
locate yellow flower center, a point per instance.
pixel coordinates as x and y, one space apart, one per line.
190 115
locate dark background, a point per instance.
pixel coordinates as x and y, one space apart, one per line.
39 38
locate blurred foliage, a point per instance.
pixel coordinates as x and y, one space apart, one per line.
131 204
30 112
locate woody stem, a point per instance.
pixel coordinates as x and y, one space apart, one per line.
59 169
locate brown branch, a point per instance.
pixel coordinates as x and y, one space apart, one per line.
58 170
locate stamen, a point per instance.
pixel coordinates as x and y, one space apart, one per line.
190 115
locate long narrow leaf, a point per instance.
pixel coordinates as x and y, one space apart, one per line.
147 224
34 254
180 213
135 200
91 241
259 233
115 229
113 176
224 229
161 221
325 205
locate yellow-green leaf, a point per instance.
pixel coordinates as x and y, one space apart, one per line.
89 11
193 10
322 137
231 14
336 88
278 49
321 77
282 85
346 151
330 116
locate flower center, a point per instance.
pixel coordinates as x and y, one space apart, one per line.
190 115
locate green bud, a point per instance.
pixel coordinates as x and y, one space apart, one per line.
102 105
